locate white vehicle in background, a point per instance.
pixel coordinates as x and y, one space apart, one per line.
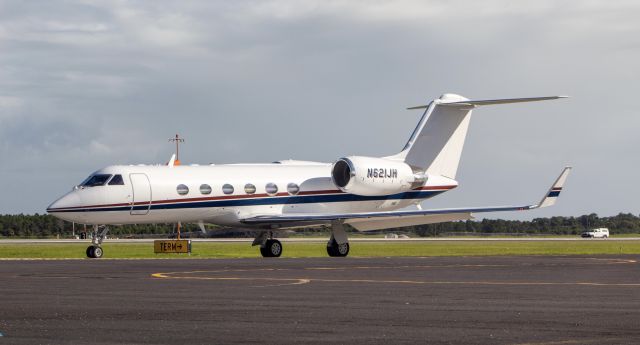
596 233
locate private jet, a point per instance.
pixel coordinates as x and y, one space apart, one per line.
367 193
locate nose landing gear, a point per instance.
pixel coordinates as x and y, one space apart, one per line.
94 251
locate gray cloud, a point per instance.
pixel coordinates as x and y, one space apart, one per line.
89 84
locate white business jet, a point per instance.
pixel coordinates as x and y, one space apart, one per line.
367 193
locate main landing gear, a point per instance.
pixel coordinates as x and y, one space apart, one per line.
269 247
272 249
338 245
94 251
337 250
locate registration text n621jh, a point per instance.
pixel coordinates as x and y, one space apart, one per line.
382 173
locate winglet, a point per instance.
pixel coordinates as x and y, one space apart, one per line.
553 193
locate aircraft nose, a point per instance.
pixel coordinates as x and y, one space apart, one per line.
68 200
65 208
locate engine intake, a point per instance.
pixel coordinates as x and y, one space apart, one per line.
369 176
342 172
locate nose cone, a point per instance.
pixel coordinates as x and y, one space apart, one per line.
69 200
66 208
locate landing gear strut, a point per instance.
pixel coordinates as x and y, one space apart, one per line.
269 247
94 251
338 245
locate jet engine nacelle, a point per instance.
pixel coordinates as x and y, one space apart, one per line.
369 176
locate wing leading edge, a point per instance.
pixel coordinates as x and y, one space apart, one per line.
379 220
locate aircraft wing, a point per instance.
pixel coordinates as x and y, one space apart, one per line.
380 220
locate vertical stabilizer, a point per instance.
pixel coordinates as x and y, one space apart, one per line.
435 147
436 144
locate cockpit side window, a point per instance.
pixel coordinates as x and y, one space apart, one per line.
96 180
116 181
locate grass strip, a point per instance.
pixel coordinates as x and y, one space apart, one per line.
360 249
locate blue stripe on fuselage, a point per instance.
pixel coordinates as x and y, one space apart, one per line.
287 200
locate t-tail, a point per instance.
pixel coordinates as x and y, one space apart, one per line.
435 146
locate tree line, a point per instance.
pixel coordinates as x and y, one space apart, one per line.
47 226
623 223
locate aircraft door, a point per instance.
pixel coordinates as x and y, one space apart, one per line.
141 191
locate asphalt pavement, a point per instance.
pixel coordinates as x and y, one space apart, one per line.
434 300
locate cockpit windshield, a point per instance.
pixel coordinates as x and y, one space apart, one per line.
116 181
96 180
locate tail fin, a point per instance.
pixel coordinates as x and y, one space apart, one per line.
435 147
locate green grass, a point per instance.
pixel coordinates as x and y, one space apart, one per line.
624 235
362 249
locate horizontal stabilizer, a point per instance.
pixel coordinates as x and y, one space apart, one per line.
475 103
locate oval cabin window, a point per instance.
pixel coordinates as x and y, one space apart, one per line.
293 189
271 188
227 189
249 188
182 189
205 189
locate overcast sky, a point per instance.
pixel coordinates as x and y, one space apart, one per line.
88 84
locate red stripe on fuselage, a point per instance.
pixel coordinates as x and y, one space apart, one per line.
213 198
227 197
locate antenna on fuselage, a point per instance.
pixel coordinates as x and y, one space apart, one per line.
177 140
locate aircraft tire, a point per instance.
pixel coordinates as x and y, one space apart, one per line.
336 250
275 248
94 252
331 250
271 249
265 252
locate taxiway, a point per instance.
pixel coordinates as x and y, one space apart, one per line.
435 300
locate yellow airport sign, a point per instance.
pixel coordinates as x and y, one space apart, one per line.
172 246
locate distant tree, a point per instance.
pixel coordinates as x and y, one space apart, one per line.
47 226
